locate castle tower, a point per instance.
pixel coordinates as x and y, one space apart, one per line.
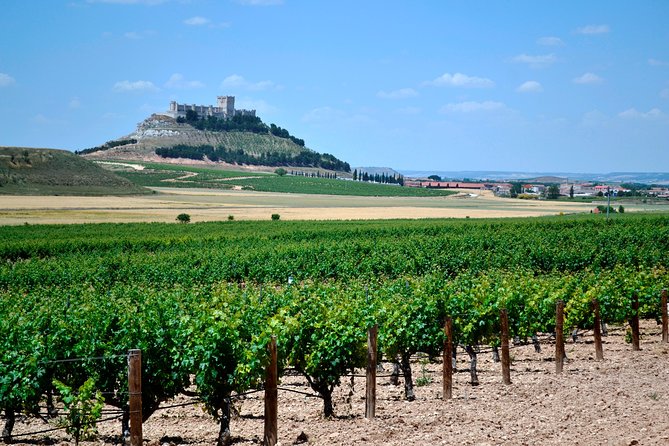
227 104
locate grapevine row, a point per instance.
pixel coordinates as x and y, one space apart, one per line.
219 335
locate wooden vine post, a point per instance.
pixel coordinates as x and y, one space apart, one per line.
448 360
271 396
559 336
370 394
506 359
634 322
135 396
599 352
665 318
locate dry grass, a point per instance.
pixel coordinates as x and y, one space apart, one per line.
209 205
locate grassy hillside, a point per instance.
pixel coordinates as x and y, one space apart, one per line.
163 131
28 171
163 175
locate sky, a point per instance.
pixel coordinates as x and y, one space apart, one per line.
540 86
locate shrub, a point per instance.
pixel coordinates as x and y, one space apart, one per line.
621 209
231 217
275 216
183 218
83 408
280 171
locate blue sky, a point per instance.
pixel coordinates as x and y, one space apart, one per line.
578 86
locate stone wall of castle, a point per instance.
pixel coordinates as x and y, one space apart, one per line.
224 108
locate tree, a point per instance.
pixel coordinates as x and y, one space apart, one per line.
434 177
553 192
516 189
183 218
280 171
571 191
191 116
355 175
621 209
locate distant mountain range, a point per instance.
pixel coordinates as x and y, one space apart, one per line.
613 177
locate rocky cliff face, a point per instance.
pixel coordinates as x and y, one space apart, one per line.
159 126
164 131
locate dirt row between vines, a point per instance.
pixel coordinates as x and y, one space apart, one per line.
622 400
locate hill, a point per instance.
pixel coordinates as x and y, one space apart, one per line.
195 142
29 171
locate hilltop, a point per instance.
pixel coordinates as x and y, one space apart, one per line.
161 138
29 171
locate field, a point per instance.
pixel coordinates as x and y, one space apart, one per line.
209 205
201 301
258 179
616 402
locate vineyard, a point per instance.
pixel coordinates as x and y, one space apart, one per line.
202 301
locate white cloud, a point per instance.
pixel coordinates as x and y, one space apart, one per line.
530 87
42 119
460 80
130 2
402 93
221 25
657 63
196 21
123 86
260 2
593 29
550 41
134 35
323 114
588 78
237 81
408 110
177 80
539 61
74 103
470 106
6 80
594 118
633 113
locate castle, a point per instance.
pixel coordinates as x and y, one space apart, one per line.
224 108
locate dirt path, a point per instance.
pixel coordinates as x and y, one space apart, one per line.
181 178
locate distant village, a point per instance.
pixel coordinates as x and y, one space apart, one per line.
537 190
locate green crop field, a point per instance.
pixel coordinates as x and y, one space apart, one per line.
202 300
164 175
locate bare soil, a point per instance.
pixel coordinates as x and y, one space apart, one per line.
619 401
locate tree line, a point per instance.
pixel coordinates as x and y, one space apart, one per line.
378 178
305 158
107 145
